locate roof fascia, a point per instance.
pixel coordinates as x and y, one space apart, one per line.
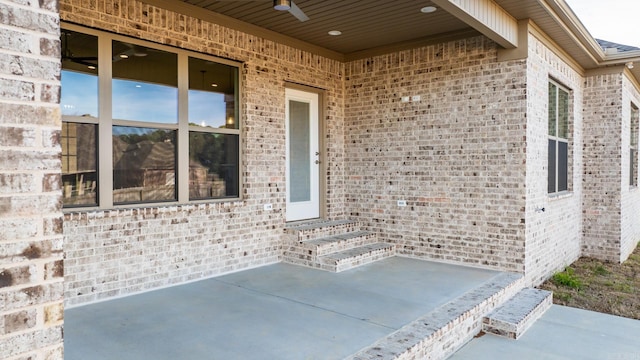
487 17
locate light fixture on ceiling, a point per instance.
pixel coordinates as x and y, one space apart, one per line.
282 5
335 32
428 9
629 65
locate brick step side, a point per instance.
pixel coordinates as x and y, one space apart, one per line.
361 255
513 318
317 229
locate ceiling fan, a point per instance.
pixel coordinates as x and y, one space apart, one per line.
285 5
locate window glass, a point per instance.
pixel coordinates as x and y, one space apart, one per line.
212 94
152 104
79 94
551 180
563 114
213 165
563 166
633 168
635 115
145 84
144 164
79 165
558 161
79 76
553 106
79 108
634 128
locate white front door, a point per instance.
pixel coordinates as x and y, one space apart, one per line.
303 169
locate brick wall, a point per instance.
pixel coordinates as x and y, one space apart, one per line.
603 109
118 252
553 235
457 156
31 269
630 207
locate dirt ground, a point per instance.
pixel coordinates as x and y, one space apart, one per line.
599 286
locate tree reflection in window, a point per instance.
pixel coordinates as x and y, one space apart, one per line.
213 165
144 164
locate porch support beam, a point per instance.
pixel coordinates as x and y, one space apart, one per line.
485 16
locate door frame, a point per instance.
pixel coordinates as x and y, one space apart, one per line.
322 167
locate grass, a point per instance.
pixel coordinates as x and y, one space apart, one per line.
599 286
567 278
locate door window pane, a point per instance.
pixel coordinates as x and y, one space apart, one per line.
212 94
299 151
213 165
144 84
144 164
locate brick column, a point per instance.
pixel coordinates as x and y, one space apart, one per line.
31 270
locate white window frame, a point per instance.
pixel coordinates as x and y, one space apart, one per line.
634 122
559 140
105 122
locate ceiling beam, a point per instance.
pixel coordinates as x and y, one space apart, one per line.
485 16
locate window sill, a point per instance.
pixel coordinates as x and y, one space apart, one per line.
560 195
141 206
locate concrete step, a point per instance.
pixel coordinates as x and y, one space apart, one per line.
317 229
361 255
515 316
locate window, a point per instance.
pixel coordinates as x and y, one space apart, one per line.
635 128
79 107
558 161
144 123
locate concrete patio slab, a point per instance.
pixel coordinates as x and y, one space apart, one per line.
279 311
563 333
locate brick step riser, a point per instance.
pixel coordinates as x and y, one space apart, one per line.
345 244
322 232
308 253
355 261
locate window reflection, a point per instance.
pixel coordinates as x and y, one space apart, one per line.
144 164
212 94
79 175
144 84
79 94
213 165
79 108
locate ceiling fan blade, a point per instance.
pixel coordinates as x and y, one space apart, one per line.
299 14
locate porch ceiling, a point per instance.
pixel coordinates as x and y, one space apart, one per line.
364 24
371 27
